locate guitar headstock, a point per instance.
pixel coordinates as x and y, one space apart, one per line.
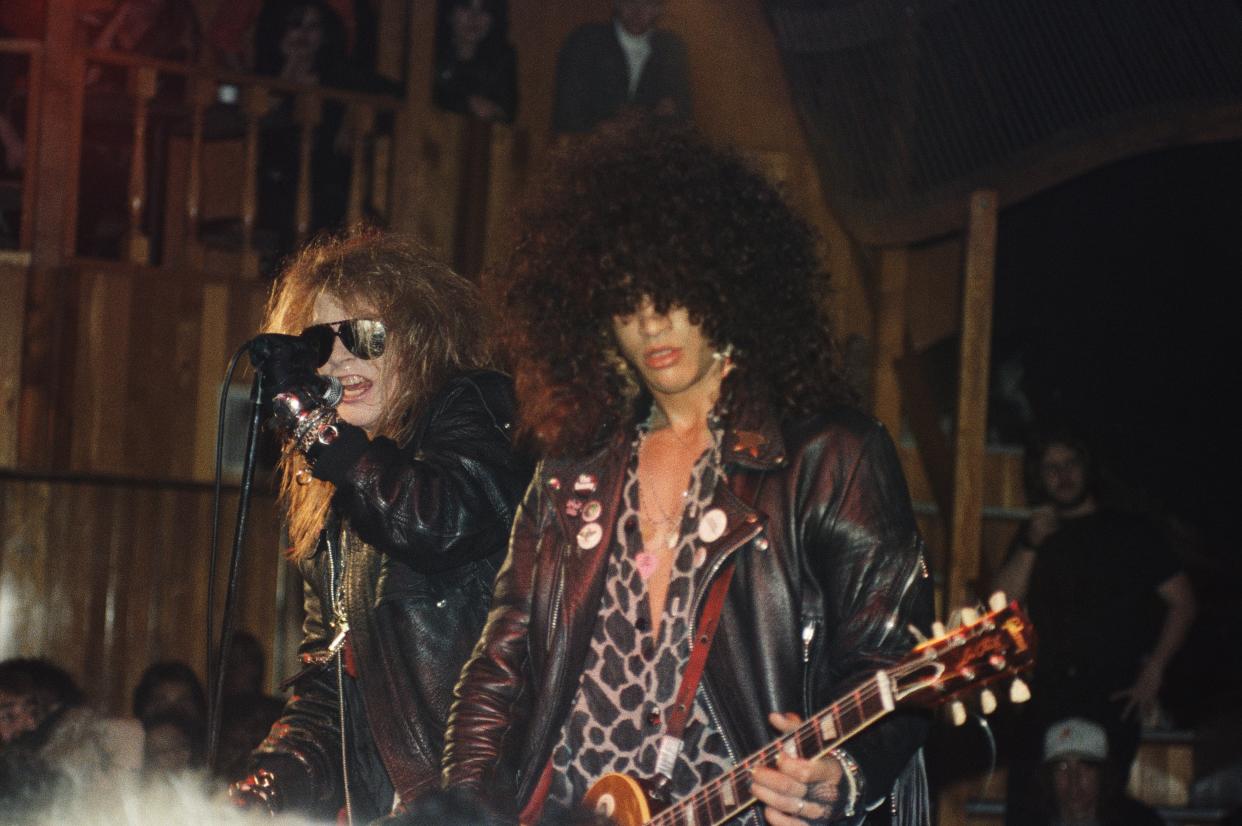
984 649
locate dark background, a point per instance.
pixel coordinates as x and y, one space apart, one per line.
1117 291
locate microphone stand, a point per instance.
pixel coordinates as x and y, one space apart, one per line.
216 674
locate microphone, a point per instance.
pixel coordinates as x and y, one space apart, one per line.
291 361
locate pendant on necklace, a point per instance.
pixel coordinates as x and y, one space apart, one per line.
646 564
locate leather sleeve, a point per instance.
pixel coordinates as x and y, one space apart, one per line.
495 677
877 585
445 502
303 748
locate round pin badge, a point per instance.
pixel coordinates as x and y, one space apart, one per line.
592 510
589 535
712 525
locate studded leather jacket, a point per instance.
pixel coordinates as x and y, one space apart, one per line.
407 558
830 574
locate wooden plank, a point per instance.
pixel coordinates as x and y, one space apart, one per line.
12 310
101 367
255 103
360 120
890 338
202 94
23 610
972 398
56 177
30 172
212 356
307 113
141 90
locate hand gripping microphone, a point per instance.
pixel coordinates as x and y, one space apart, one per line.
288 365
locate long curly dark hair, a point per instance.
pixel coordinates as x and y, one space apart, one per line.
654 210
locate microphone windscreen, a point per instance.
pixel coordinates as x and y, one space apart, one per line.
333 391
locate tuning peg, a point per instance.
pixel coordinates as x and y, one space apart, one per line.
998 601
958 712
1019 692
987 701
969 616
916 633
938 629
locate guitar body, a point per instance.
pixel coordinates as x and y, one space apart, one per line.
621 799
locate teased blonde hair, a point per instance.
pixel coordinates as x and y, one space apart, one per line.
434 322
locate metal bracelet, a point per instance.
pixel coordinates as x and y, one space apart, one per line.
853 776
315 427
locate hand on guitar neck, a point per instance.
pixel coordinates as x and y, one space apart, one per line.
806 789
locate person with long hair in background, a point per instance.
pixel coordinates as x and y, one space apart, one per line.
398 503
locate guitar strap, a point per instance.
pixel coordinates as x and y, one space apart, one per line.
745 487
679 715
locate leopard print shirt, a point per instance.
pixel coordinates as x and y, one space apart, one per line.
633 671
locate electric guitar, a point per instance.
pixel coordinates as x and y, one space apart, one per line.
982 651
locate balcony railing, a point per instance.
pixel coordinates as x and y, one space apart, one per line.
174 164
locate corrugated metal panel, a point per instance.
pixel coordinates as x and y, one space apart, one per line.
907 103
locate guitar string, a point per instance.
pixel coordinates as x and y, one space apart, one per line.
710 790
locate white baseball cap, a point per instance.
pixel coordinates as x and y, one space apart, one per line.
1075 737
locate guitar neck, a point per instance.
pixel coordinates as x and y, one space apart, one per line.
727 795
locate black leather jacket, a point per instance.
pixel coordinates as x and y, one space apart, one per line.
830 574
425 526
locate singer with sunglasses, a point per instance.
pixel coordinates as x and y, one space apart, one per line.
398 501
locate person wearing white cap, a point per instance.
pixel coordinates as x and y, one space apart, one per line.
1082 787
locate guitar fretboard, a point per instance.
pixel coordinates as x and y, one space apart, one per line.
727 795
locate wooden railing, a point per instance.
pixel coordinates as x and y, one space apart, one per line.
166 189
32 52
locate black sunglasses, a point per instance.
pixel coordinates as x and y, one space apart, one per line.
364 337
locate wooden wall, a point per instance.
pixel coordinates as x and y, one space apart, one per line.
105 577
106 449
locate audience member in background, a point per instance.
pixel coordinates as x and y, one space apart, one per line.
476 65
1111 604
237 24
70 746
173 744
1080 785
170 686
245 719
302 41
246 665
399 502
627 63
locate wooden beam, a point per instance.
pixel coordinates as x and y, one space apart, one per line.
890 338
56 158
966 527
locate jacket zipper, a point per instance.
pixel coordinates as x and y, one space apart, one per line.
336 649
808 640
556 600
